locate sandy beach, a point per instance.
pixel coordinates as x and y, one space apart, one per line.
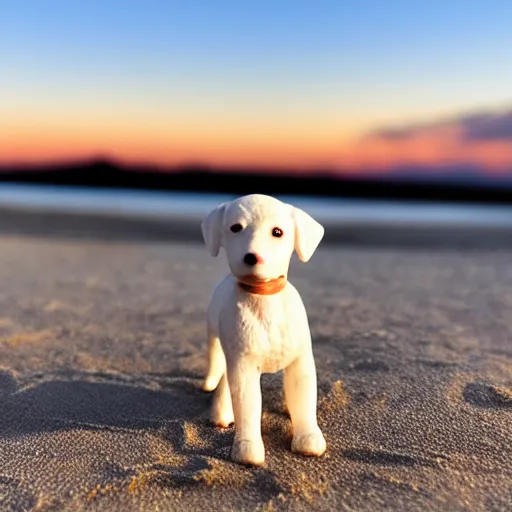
102 353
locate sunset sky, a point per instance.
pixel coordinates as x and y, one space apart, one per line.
349 85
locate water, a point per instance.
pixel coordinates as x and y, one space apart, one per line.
194 206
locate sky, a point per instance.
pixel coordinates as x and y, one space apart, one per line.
352 86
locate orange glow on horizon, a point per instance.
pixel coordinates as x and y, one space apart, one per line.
299 150
432 147
172 147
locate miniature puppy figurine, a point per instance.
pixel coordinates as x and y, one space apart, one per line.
257 323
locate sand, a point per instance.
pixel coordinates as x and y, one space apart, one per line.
102 352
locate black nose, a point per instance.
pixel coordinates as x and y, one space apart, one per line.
250 259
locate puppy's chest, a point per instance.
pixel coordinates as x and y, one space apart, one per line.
265 332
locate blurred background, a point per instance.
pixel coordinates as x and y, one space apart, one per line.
365 112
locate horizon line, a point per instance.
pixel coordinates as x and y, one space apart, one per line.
415 171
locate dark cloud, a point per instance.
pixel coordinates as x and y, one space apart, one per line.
488 127
474 127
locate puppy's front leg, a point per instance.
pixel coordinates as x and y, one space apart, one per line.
244 382
301 397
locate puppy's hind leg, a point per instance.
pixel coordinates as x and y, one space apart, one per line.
216 363
222 408
301 397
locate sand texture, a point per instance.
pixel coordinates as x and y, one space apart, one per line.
102 352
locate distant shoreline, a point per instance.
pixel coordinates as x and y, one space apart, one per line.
452 187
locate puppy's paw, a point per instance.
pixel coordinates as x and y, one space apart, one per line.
210 383
312 443
245 451
221 418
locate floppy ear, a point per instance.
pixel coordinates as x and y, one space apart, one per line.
211 227
308 234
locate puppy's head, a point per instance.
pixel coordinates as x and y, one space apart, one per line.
259 234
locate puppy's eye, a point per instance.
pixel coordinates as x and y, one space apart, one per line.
277 232
235 228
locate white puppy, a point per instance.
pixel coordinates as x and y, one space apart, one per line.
257 322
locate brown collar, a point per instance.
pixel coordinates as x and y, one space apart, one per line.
256 286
